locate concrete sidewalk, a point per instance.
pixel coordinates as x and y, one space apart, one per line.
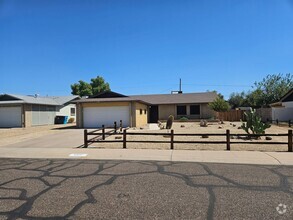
235 157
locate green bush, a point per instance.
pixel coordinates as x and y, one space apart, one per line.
183 119
219 105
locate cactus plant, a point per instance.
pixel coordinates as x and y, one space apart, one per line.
253 123
170 122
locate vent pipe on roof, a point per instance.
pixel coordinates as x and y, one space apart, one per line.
179 91
36 95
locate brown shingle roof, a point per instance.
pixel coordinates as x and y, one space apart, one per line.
184 98
115 99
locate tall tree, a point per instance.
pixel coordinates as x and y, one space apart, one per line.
99 85
219 105
272 88
96 85
237 100
264 93
81 88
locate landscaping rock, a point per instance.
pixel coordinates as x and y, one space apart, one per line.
239 128
269 138
220 127
203 123
234 125
222 122
182 126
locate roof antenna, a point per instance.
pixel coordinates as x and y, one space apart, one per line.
179 91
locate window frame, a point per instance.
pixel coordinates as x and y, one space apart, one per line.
72 114
197 112
181 106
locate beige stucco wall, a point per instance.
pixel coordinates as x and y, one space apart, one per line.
79 115
166 110
27 115
140 119
206 111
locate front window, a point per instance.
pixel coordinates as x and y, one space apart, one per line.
72 111
195 109
181 109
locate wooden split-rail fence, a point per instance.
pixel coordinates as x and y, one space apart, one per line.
101 134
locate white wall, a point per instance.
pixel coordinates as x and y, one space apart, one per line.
65 111
288 104
282 114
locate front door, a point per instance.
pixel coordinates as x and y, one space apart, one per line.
154 114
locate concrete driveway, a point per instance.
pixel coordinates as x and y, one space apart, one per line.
56 137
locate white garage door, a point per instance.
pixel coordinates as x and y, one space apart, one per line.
10 117
94 117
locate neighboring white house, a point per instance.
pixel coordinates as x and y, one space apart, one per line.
283 110
27 111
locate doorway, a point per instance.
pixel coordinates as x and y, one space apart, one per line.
154 114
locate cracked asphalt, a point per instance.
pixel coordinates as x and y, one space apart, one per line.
95 189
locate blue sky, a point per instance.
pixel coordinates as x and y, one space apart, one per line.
145 46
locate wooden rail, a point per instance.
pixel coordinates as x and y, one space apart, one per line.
102 138
100 134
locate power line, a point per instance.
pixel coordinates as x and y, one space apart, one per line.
191 84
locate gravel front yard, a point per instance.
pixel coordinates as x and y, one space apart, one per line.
194 127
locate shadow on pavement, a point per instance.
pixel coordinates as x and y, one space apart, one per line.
91 189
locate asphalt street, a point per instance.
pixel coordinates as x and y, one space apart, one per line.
96 189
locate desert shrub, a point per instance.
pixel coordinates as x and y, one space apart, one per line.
253 123
70 120
183 119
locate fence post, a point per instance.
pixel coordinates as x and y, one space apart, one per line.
124 138
172 139
277 121
115 126
290 141
120 125
103 132
228 139
289 122
85 138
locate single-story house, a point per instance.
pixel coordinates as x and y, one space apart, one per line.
283 110
137 110
27 111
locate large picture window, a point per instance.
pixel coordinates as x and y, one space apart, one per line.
195 109
181 109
